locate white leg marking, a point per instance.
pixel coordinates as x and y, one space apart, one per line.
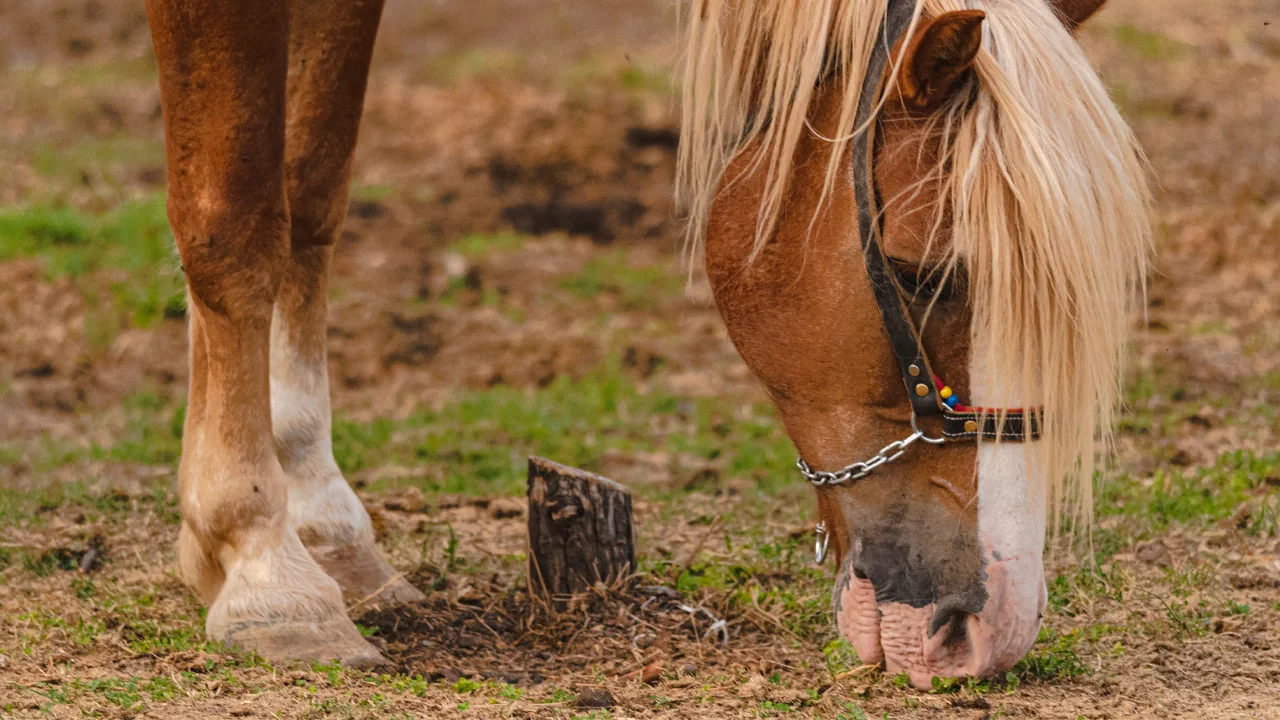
321 504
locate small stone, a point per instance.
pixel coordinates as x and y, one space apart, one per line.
651 672
410 500
688 670
455 265
1154 552
595 698
4 661
446 674
503 508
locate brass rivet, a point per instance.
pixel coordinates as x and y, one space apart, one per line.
970 426
922 389
914 370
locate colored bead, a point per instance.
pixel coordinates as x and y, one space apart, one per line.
952 402
946 393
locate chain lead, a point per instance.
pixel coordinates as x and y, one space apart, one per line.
859 470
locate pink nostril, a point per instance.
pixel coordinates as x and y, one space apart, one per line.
952 610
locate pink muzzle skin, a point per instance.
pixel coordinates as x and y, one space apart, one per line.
964 645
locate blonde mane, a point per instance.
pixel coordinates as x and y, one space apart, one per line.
1044 180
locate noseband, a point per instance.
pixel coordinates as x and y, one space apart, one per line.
928 395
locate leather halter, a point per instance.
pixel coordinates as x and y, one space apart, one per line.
923 388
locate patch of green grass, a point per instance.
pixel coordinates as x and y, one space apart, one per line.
560 695
1199 498
110 74
31 506
48 562
371 192
154 432
479 442
1186 610
1054 657
129 694
123 261
1073 593
839 656
779 588
97 159
769 708
477 245
1150 45
637 288
851 712
473 64
1234 607
152 436
647 79
605 72
147 637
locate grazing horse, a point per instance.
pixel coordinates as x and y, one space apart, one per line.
988 168
923 221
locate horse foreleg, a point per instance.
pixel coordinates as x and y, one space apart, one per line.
329 50
223 78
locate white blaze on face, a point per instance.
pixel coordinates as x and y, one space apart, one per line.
1011 529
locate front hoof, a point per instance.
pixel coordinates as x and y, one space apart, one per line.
365 577
327 641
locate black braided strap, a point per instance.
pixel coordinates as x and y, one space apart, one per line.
1014 426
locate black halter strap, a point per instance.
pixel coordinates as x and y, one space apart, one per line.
960 423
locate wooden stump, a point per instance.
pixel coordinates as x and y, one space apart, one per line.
579 529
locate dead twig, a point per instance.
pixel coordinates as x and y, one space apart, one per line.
375 593
854 672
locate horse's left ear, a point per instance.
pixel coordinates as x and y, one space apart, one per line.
937 56
1075 12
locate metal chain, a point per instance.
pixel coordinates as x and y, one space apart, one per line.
859 470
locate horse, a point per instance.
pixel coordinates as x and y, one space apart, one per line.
992 135
935 196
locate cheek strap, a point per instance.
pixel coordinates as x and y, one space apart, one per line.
926 393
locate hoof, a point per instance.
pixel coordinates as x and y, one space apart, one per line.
364 576
325 641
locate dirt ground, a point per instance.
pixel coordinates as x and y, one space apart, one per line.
511 261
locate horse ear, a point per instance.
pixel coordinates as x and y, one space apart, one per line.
937 56
1075 12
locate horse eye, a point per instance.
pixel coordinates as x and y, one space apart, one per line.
922 282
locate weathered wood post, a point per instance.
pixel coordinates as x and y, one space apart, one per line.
579 529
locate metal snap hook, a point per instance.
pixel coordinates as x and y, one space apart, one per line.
822 542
